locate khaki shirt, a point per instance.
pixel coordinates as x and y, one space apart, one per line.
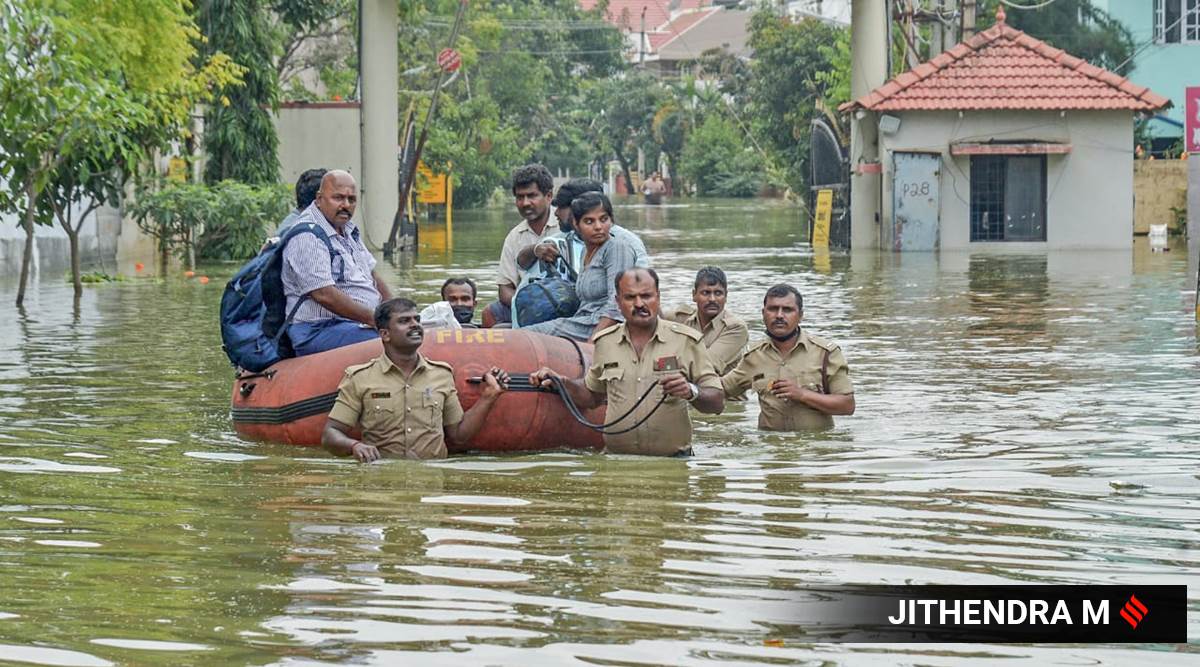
518 238
403 417
725 336
623 376
763 365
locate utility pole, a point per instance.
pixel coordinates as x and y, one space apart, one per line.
937 37
968 19
870 27
642 41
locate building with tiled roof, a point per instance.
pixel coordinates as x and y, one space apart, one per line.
1004 140
666 36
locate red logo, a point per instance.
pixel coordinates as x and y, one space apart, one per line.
1134 611
449 60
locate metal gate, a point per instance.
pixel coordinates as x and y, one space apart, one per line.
915 201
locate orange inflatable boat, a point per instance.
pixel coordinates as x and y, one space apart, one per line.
288 402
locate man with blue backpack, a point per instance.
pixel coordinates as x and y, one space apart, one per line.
330 282
313 290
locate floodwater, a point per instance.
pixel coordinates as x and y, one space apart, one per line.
1026 418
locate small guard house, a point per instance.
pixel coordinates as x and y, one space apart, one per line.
1004 141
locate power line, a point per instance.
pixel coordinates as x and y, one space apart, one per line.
1014 5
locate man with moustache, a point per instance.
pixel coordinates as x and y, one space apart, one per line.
725 334
333 296
405 404
631 358
801 380
531 188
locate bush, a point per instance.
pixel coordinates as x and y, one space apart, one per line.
716 159
226 221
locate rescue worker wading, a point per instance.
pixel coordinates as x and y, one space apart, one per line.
632 357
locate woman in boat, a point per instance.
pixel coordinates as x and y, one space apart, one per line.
603 258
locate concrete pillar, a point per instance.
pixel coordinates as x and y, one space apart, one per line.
869 26
379 194
1193 225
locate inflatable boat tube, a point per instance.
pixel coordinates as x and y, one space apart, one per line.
289 402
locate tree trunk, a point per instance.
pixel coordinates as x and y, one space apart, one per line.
76 278
27 258
625 170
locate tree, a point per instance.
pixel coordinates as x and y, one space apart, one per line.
48 106
718 162
1075 26
790 56
626 108
239 138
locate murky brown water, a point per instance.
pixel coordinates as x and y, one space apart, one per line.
1022 419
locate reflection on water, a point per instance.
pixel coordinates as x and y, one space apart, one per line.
1022 418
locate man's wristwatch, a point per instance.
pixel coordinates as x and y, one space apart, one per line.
695 391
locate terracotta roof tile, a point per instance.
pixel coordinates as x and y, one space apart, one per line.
1004 68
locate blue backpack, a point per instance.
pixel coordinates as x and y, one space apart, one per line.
253 317
546 295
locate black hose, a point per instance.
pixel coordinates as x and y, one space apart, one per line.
560 386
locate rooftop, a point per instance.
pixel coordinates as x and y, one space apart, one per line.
1004 68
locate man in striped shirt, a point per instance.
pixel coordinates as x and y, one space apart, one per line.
337 294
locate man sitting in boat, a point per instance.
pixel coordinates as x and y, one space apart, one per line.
405 404
725 334
532 186
801 380
339 293
646 353
567 243
460 294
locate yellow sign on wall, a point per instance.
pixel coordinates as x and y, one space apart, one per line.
820 235
177 170
431 187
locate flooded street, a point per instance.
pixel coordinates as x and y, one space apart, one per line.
1025 418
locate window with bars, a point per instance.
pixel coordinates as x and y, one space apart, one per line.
1008 198
1177 21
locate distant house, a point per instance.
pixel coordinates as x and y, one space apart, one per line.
1004 139
667 37
1166 35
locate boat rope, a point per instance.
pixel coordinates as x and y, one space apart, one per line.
521 383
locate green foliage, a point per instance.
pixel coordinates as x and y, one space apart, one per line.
626 106
98 277
239 138
786 85
226 221
520 94
1075 26
717 161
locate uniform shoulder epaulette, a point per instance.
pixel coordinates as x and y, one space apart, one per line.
687 331
607 330
684 310
439 364
357 368
823 343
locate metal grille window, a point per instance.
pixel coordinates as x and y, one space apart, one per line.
1177 21
1008 198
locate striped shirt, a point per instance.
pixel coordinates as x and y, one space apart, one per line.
307 267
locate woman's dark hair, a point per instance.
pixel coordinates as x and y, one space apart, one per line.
383 312
588 201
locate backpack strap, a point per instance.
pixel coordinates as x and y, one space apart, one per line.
825 373
315 230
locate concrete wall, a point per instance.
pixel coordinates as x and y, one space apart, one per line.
315 135
1165 68
1089 192
1158 186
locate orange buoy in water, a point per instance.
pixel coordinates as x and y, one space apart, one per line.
203 280
289 402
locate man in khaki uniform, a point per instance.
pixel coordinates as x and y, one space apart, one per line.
405 404
801 380
725 334
633 357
